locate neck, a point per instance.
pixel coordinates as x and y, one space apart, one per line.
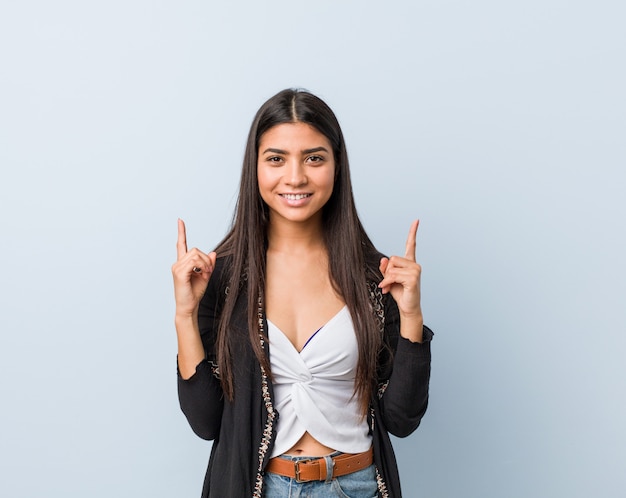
292 237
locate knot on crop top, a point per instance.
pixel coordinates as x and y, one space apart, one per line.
314 388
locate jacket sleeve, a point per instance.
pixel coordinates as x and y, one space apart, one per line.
201 396
404 389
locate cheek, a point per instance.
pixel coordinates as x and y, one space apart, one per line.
262 178
331 185
266 182
329 180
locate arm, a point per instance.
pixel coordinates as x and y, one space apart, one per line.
405 398
197 319
200 396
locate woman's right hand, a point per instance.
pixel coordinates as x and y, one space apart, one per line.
191 273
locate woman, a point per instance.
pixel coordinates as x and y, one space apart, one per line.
300 347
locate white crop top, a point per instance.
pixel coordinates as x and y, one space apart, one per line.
314 389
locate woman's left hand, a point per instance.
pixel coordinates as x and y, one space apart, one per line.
401 277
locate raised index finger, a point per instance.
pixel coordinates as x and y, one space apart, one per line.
411 241
181 243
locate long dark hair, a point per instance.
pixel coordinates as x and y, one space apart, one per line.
352 257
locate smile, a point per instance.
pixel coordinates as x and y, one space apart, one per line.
295 197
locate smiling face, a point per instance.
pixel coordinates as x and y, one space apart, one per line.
296 172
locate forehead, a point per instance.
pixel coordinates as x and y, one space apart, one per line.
295 136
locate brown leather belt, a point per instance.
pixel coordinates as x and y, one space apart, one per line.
315 469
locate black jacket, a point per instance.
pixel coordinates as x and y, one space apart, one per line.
243 431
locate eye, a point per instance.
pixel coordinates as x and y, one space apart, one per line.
274 159
315 159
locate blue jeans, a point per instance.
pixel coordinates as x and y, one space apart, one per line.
359 484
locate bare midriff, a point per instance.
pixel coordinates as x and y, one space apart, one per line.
309 446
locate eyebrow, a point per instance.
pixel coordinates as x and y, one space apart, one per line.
315 149
305 151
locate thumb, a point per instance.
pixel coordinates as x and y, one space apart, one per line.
384 262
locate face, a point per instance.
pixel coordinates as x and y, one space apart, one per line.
296 172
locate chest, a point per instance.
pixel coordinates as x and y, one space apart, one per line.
299 298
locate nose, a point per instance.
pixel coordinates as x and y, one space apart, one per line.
295 175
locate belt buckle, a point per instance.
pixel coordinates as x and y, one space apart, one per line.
297 468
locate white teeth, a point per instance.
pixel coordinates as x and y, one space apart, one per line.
295 197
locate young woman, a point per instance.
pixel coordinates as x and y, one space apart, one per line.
300 346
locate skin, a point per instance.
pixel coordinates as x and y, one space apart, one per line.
294 159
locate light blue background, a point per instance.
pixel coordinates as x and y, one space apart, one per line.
501 125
